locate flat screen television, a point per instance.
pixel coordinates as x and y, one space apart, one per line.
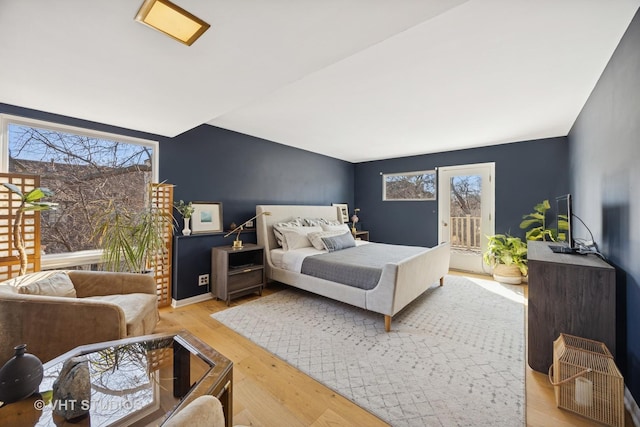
564 220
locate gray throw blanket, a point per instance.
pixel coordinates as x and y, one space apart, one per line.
361 266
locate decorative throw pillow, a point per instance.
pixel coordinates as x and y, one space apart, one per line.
57 285
316 238
336 227
314 222
279 226
342 241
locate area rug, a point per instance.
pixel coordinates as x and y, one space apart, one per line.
454 356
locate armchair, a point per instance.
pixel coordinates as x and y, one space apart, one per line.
108 306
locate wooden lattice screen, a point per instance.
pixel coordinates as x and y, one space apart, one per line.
9 203
162 199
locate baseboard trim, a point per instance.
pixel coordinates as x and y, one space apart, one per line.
191 300
632 407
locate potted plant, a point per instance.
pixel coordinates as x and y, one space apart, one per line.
538 221
130 238
508 257
28 202
186 210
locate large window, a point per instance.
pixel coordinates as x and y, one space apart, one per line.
419 185
85 169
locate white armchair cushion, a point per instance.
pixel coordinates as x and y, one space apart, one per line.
56 285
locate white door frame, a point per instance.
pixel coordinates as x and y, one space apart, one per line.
487 208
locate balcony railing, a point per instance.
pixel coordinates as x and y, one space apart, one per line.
465 232
81 260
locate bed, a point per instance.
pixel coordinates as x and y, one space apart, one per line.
400 282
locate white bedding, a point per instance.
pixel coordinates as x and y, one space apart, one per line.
291 260
400 283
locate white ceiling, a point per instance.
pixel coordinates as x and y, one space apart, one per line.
352 79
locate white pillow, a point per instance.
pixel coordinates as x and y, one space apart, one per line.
316 238
296 237
57 285
340 227
278 227
294 240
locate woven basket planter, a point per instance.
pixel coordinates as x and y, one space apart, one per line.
509 274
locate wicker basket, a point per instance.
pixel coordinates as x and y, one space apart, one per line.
587 380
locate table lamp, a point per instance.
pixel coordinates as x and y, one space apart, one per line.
237 244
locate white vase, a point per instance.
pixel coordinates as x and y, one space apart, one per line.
186 230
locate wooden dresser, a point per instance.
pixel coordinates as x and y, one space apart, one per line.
568 293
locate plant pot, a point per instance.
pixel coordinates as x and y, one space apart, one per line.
509 274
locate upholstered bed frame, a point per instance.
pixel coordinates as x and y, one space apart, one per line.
399 284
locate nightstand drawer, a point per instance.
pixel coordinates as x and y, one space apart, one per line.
244 280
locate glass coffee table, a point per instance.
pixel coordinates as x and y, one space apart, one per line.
135 382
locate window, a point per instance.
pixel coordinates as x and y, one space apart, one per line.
85 169
419 185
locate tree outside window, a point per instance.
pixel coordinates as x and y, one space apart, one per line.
409 186
85 172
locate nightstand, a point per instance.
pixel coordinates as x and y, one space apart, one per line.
361 235
236 272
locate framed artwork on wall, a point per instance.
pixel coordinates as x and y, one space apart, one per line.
207 217
344 211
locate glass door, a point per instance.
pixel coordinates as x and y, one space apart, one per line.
466 213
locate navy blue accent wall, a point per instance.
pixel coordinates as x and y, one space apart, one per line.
213 164
605 148
526 173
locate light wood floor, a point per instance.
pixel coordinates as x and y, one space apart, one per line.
269 392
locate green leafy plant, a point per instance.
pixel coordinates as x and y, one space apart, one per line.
536 223
28 202
508 250
185 209
130 239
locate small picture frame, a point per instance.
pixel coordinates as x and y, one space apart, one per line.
344 211
207 217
